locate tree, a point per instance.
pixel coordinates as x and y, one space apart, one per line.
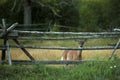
27 7
96 15
63 12
69 15
27 11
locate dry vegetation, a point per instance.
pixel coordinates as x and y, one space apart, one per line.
40 54
43 54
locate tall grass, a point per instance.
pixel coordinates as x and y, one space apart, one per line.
85 71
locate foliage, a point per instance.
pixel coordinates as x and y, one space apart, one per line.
78 15
85 71
94 14
115 17
2 2
69 15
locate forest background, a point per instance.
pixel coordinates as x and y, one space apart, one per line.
76 15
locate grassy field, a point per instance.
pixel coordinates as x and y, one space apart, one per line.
85 71
108 70
40 54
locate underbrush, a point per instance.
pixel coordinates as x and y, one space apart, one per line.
108 70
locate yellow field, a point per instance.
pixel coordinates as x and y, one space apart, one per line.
40 54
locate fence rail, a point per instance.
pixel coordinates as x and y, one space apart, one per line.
71 33
15 35
66 38
65 48
53 61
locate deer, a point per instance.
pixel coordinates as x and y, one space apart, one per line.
74 54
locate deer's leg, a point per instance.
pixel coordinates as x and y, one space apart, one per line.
64 55
80 55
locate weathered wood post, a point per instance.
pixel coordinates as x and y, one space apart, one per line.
4 40
4 35
8 51
116 46
23 49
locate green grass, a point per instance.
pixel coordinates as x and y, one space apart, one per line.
85 71
68 43
108 70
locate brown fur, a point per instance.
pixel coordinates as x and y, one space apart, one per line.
74 54
71 55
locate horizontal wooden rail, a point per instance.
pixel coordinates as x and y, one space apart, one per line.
8 30
67 38
22 25
2 48
41 24
116 29
64 48
71 33
53 61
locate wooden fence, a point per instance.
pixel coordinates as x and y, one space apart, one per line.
16 35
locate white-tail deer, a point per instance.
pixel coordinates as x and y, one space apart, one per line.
73 54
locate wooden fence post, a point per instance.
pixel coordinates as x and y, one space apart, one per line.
116 46
4 40
4 36
8 51
23 49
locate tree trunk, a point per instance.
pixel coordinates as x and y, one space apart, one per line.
27 12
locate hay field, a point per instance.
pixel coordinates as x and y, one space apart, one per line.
42 54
